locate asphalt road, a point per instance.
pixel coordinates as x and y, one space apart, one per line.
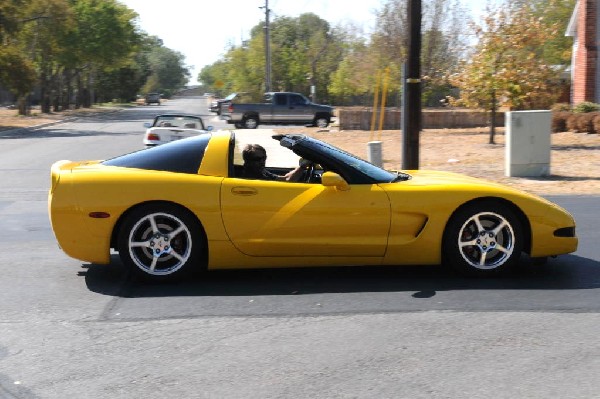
73 330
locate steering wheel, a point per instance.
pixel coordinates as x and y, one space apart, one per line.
309 173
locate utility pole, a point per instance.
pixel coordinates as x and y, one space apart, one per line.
267 48
411 106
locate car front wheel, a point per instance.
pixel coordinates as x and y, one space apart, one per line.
321 121
483 239
161 242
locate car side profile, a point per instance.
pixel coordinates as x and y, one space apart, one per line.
186 206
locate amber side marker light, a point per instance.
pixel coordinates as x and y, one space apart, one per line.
99 215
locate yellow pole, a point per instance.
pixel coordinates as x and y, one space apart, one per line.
383 98
375 103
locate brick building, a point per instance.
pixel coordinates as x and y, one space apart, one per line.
584 27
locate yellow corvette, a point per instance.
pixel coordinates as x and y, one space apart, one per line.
183 206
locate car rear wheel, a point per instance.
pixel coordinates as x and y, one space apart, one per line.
483 239
161 242
250 122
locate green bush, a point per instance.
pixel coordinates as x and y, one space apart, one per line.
586 107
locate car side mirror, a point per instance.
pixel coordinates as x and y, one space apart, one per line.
209 128
147 124
330 179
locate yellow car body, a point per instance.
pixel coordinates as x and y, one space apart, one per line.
256 224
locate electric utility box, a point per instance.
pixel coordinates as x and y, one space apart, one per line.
528 143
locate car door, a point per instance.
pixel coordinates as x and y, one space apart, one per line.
300 110
272 218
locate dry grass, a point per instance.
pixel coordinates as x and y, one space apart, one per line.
9 118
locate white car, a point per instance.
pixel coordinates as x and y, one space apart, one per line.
171 127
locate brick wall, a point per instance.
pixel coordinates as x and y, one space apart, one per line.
586 56
360 119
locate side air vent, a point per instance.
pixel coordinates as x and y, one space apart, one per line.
565 232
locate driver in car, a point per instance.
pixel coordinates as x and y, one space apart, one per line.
255 157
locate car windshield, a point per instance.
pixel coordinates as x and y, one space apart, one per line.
184 122
364 167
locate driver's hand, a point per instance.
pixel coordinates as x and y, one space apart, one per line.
305 163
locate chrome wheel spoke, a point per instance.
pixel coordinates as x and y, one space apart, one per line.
470 243
154 262
499 228
153 225
483 258
477 222
140 244
502 249
177 256
176 231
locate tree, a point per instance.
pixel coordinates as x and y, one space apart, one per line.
507 67
557 48
17 73
305 51
47 21
167 71
105 37
443 43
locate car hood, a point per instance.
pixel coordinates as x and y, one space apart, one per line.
441 181
436 177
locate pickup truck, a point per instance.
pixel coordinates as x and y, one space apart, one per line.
278 108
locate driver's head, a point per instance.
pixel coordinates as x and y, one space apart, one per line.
254 154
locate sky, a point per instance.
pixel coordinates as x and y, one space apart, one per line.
202 30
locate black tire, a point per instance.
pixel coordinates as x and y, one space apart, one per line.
250 122
150 251
238 125
483 239
321 121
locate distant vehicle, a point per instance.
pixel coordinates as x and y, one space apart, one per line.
278 108
217 104
209 94
152 98
172 127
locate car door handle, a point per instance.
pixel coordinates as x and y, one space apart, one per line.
244 191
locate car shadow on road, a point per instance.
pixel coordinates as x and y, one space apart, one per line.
569 272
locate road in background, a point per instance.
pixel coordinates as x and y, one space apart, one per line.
77 330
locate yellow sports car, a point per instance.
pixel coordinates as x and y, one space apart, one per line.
185 206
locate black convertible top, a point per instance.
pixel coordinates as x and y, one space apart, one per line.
183 156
